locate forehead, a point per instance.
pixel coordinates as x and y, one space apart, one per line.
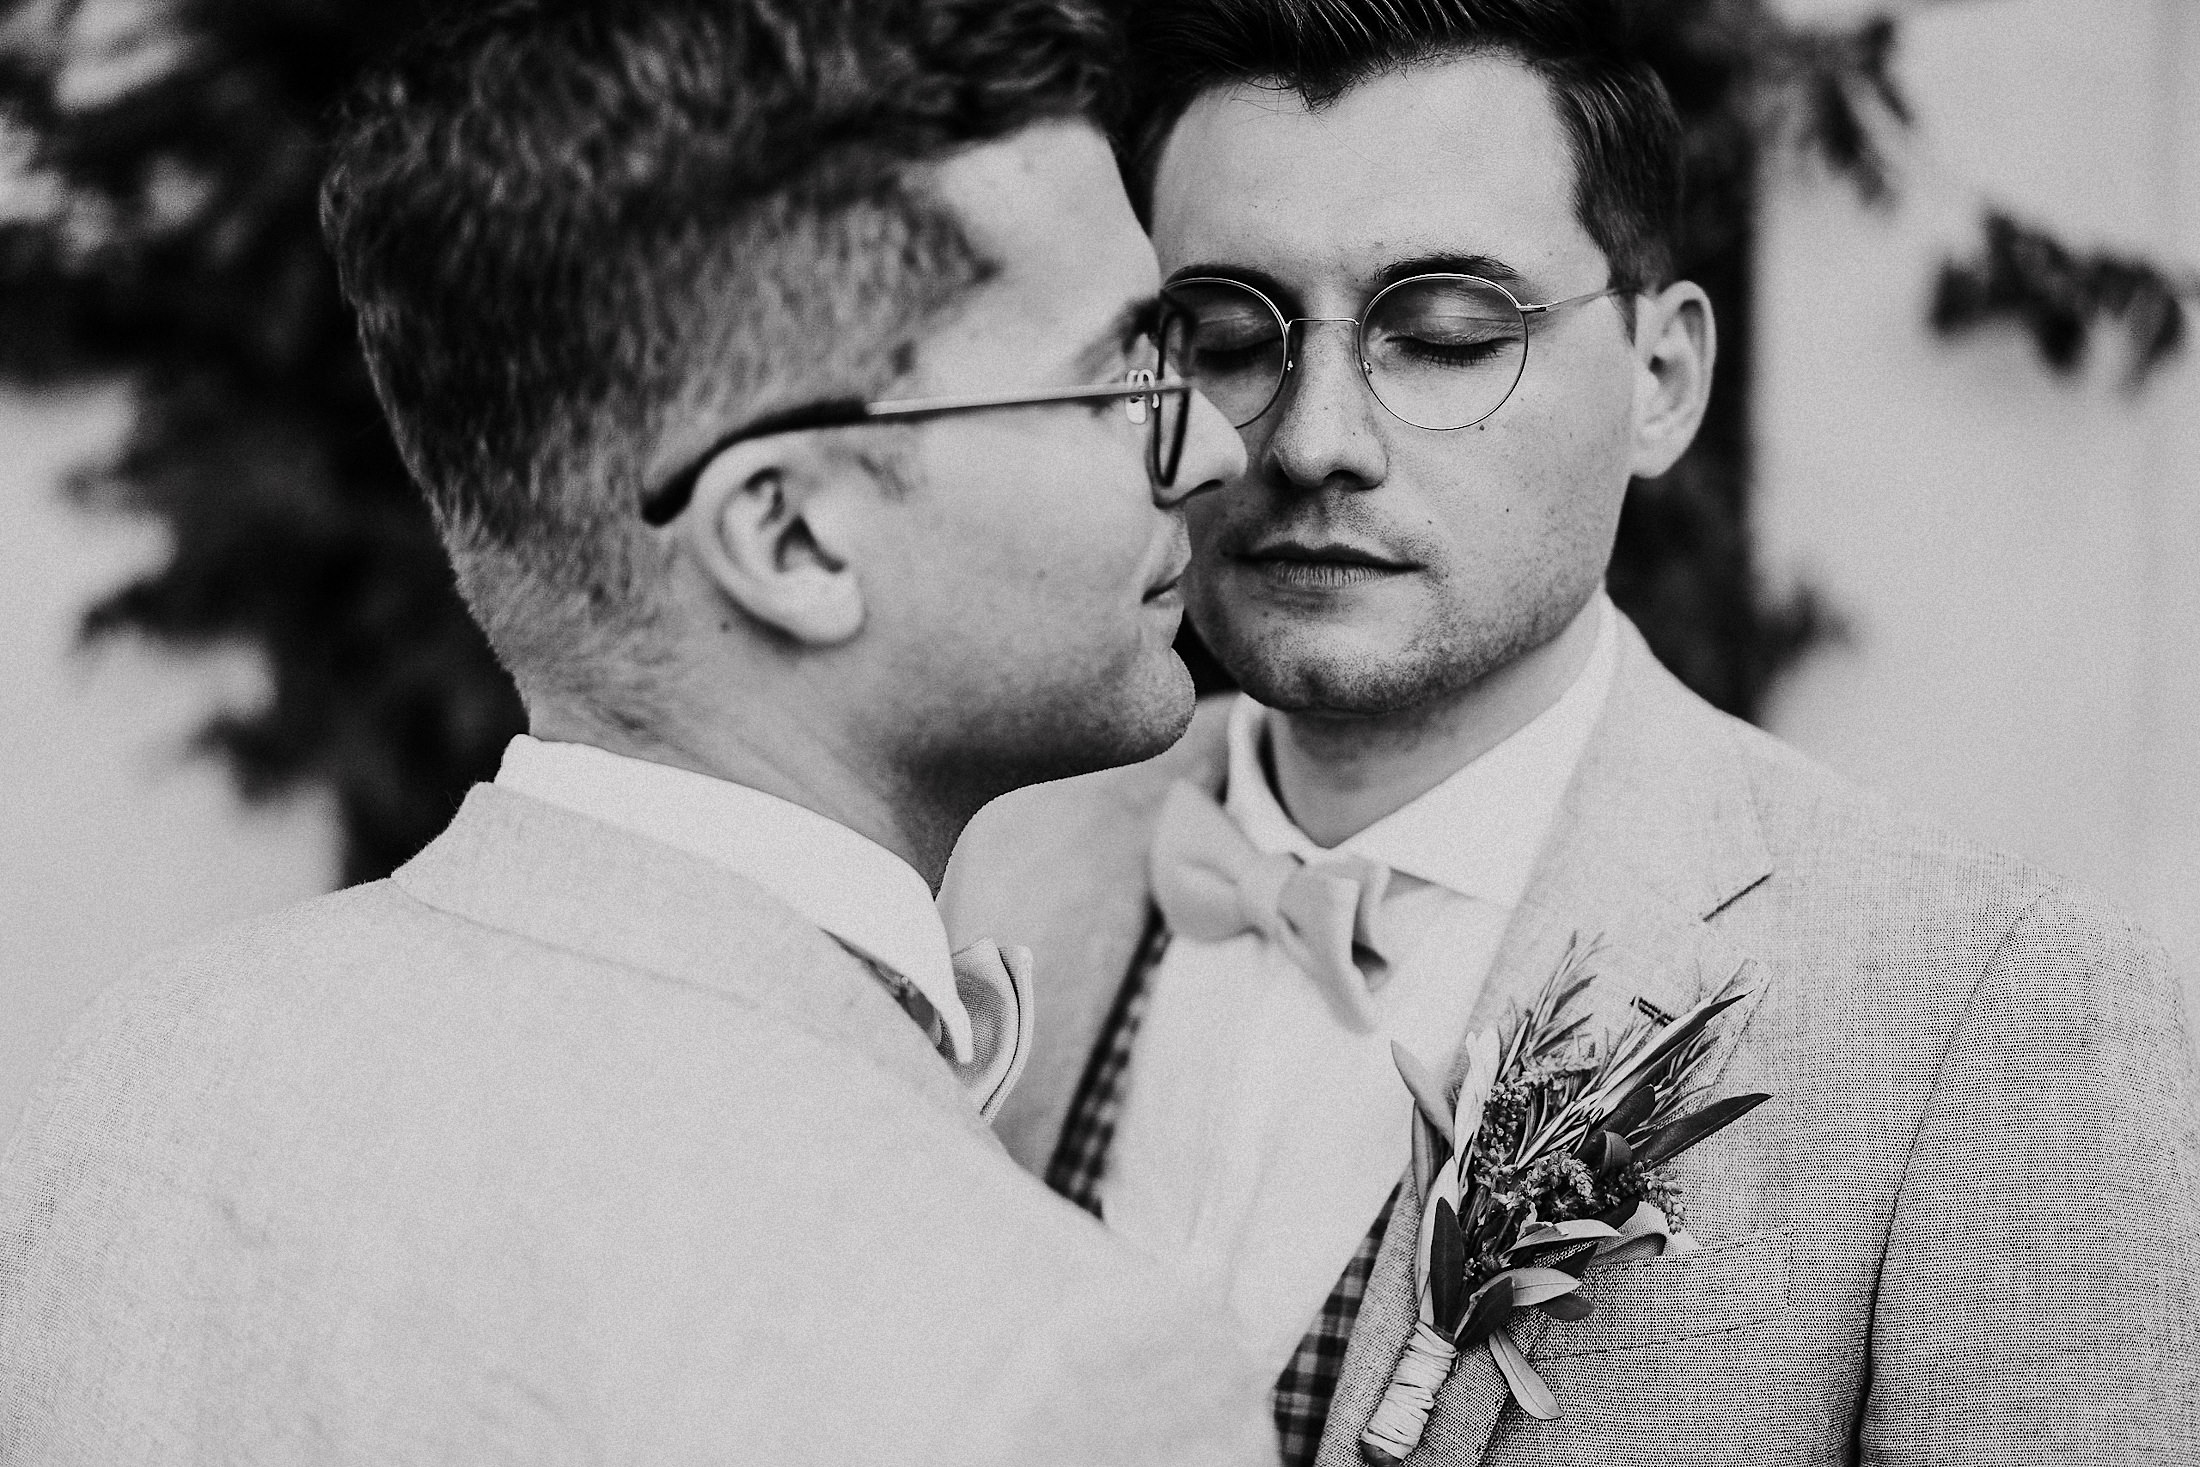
1465 155
1046 207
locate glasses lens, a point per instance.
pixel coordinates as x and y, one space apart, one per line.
1234 348
1172 410
1444 351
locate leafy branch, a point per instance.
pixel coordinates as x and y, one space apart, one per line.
1553 1156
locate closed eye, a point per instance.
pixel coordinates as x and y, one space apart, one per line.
1451 354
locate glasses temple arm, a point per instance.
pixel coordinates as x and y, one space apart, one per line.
663 505
1576 300
917 407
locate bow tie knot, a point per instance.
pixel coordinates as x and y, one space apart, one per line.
1259 890
1211 883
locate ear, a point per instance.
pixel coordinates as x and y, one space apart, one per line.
771 529
1676 347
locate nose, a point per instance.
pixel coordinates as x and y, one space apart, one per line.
1322 427
1213 454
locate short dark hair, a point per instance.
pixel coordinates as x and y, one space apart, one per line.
572 227
1625 133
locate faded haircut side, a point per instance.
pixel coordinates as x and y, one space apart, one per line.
584 236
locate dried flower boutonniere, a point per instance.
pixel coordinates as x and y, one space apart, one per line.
1552 1157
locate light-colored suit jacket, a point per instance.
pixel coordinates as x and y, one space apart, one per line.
1966 1230
560 1146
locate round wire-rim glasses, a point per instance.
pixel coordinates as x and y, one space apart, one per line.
1448 367
1152 396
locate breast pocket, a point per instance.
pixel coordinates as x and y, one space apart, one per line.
1719 1287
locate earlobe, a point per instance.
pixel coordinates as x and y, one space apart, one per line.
759 531
1676 349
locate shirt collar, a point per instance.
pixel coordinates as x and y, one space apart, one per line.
853 888
1480 831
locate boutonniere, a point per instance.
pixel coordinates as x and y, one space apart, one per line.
1553 1157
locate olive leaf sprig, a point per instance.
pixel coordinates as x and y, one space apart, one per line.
1553 1156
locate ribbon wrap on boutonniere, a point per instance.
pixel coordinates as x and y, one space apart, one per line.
1552 1158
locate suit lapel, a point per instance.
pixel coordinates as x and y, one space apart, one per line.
519 865
1657 835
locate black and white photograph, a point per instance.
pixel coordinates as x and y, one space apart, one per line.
1118 733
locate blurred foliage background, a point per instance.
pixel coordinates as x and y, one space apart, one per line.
158 166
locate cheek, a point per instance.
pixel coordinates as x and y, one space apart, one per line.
1060 541
1531 486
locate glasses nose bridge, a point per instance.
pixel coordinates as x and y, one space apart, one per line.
1296 321
1291 348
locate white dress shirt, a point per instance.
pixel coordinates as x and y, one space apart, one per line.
1261 1135
850 886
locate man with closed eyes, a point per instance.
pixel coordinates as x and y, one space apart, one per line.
1427 250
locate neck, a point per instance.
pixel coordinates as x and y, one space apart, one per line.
1337 774
784 757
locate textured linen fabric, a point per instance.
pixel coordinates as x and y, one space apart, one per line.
843 883
560 1146
1262 1130
1964 1231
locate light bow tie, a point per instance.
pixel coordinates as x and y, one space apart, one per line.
1211 883
994 984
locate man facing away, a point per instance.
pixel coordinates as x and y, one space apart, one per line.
640 1118
1428 246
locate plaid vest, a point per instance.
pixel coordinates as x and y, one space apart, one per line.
1080 1162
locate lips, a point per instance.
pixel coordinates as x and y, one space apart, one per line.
1323 553
1318 564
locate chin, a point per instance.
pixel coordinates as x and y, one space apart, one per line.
1079 727
1303 670
1144 718
1369 664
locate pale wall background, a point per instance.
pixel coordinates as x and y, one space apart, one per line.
2017 555
2018 558
112 841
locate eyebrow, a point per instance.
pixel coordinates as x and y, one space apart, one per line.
1260 280
1133 319
1489 267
